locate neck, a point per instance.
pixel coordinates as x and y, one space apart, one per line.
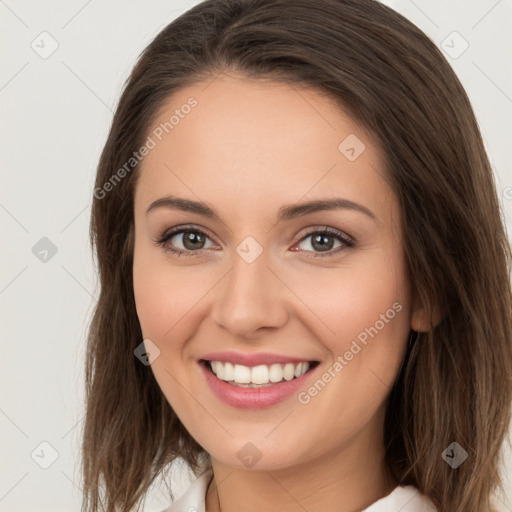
348 480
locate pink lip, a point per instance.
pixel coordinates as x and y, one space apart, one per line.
252 359
253 398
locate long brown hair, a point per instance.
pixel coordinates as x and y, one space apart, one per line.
455 383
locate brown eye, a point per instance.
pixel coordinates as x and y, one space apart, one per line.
184 240
192 240
323 241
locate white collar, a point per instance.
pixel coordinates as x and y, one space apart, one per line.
402 498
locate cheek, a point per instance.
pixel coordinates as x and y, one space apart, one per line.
358 301
367 313
172 302
164 295
368 316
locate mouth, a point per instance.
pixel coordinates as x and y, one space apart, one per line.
259 376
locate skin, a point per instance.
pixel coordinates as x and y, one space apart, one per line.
248 148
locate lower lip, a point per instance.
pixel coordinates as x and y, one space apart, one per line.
253 398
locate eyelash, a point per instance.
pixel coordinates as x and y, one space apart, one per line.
349 243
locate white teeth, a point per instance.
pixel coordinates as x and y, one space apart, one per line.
220 370
242 374
259 375
229 371
214 366
276 373
289 371
301 368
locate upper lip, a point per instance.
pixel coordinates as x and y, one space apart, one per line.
253 359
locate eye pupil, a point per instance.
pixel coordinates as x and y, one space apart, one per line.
320 240
189 237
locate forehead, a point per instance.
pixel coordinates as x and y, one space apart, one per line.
238 140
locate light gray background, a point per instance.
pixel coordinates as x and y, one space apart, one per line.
55 115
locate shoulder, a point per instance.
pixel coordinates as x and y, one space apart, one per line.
193 499
403 498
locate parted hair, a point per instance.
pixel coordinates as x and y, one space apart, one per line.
455 382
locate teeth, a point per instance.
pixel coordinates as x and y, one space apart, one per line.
257 375
229 371
299 370
242 374
289 371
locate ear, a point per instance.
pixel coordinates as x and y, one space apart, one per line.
419 316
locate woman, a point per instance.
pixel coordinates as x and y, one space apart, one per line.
305 284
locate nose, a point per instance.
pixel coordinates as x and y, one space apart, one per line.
251 299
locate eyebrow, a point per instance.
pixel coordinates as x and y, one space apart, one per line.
287 212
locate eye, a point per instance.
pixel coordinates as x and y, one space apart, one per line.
192 241
323 240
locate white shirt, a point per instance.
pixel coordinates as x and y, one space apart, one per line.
401 499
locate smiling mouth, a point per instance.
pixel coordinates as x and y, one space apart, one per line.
258 376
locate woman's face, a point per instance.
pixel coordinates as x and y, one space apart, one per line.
259 286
